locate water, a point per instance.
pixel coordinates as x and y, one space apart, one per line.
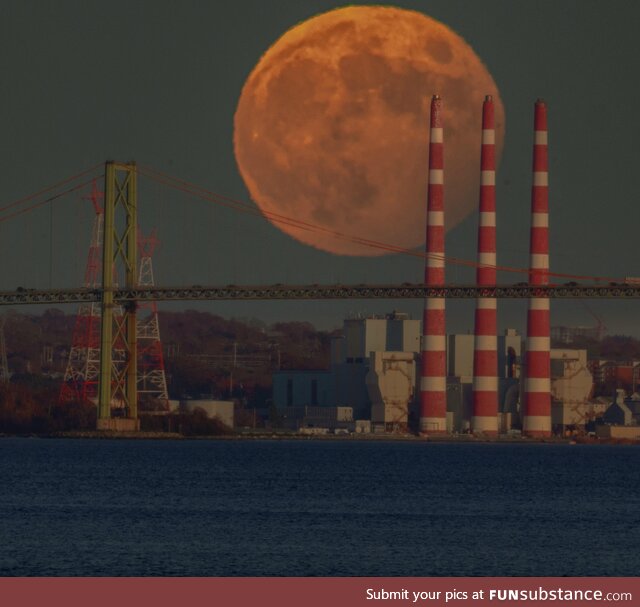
227 508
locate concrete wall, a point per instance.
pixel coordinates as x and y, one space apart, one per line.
626 432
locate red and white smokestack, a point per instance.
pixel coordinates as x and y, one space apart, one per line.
485 353
537 382
433 383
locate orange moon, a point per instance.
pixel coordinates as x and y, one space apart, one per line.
332 126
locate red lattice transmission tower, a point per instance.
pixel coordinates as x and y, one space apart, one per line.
152 382
83 368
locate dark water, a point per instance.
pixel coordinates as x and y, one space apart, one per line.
208 508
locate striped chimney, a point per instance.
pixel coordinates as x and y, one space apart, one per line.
433 386
537 383
485 353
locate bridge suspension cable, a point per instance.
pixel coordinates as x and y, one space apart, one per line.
45 201
54 186
207 195
244 207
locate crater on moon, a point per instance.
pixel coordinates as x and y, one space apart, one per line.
332 126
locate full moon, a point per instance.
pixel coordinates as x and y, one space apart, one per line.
332 126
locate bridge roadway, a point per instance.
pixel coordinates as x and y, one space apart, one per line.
279 291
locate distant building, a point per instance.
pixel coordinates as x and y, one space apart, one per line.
611 374
622 418
623 411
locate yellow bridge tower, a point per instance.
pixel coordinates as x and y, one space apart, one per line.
118 398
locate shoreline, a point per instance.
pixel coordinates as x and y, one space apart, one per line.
279 436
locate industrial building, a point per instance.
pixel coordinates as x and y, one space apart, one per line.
374 373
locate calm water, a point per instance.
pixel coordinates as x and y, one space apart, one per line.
208 508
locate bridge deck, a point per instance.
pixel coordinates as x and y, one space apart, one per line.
269 292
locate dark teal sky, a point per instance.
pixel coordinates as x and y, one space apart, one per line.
158 82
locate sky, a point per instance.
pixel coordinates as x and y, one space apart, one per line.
158 82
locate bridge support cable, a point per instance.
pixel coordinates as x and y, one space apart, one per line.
118 399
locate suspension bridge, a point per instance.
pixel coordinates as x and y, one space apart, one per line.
119 258
565 286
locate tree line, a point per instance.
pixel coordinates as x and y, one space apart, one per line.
205 356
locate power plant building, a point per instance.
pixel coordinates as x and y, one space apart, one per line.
374 373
